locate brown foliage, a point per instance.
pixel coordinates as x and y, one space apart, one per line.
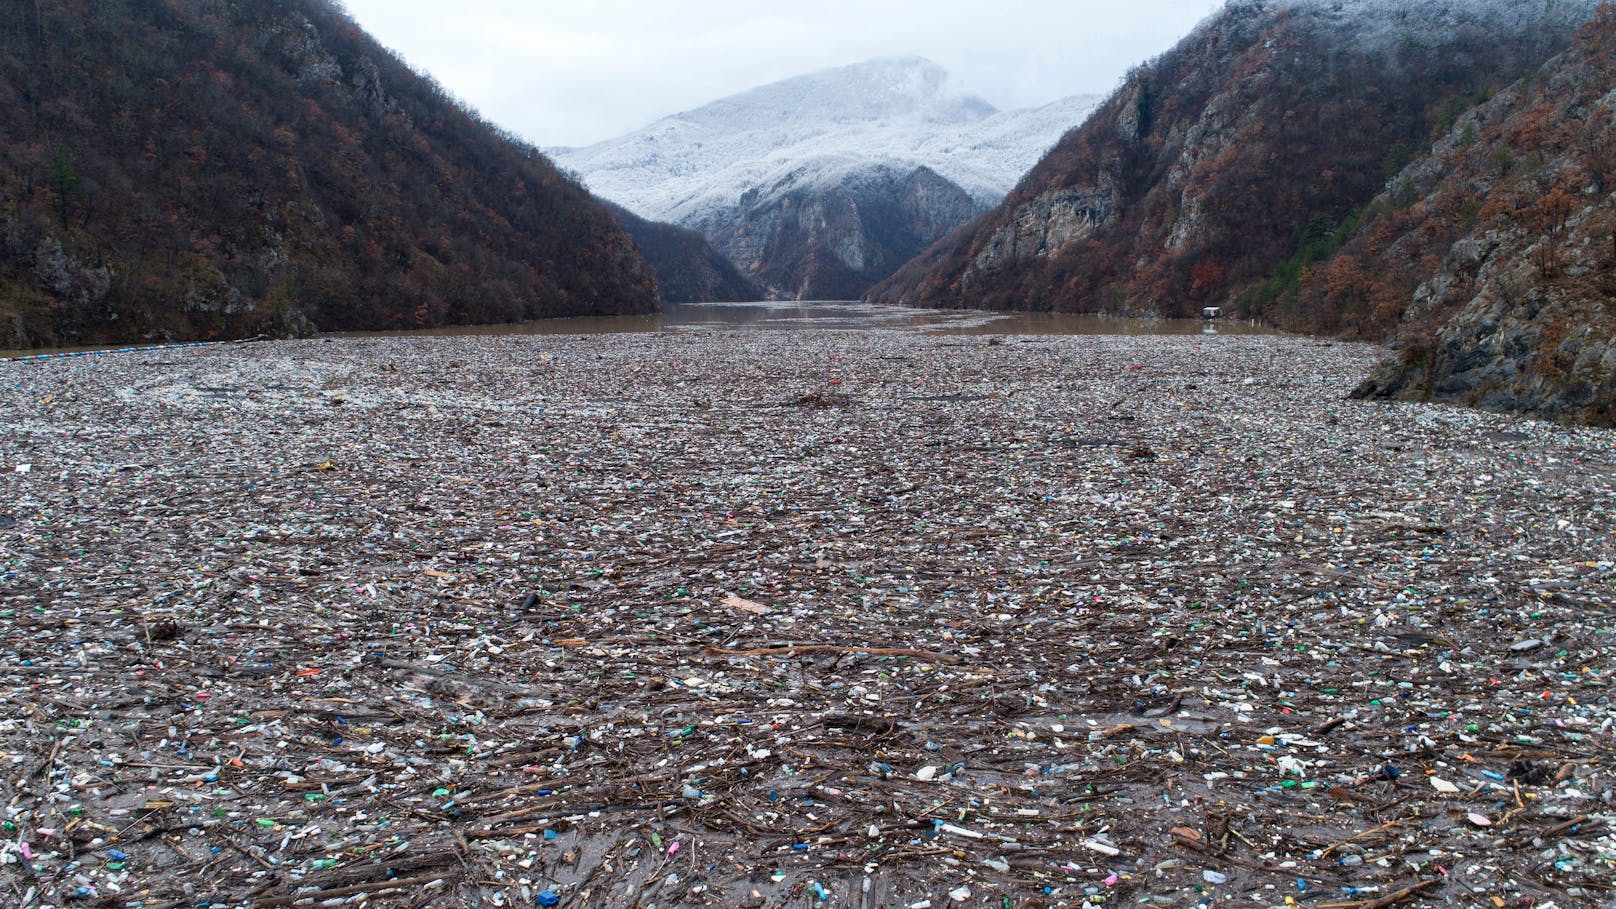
268 162
1293 135
1520 182
1206 277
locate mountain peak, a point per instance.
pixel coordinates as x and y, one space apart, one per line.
822 183
870 91
902 67
889 110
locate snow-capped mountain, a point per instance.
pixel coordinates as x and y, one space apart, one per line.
744 169
900 111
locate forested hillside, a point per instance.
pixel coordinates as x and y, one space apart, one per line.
1493 259
210 168
1217 171
688 269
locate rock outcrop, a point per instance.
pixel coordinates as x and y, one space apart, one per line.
806 238
1042 227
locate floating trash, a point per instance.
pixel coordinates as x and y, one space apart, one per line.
618 620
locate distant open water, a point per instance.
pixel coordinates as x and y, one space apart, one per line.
845 316
764 316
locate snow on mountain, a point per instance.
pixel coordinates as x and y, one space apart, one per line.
1223 171
1375 24
989 157
822 127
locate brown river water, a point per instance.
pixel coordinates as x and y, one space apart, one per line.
818 316
848 316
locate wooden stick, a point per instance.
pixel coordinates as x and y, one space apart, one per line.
1239 836
1509 816
833 648
1562 828
1358 836
348 891
1394 898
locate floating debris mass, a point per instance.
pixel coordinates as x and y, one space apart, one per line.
862 618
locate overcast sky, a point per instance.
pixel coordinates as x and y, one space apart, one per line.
572 72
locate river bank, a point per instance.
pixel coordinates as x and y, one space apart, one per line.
673 619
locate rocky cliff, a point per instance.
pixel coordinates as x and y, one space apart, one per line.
208 168
1495 256
1216 165
807 238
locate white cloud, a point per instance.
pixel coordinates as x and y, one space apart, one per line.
579 71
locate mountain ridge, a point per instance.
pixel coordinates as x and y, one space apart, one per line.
890 110
878 138
1494 256
1211 165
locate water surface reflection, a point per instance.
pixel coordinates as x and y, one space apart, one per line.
848 316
